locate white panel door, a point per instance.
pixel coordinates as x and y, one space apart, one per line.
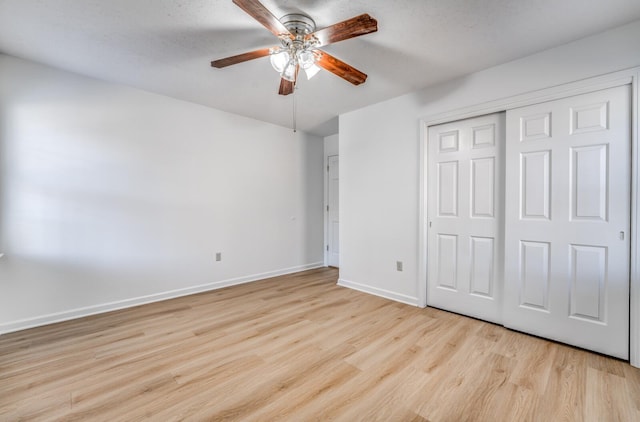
334 224
567 218
465 204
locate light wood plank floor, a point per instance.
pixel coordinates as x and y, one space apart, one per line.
300 348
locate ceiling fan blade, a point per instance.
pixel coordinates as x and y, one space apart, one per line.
228 61
287 87
339 68
354 27
260 13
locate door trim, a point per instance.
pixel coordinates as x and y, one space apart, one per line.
610 80
325 251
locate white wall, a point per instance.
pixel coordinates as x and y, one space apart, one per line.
379 155
112 196
331 143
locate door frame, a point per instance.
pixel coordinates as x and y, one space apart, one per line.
325 209
327 223
610 80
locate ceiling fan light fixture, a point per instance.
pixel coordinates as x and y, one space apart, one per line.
289 72
279 60
311 71
306 59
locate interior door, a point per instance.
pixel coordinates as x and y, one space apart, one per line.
567 220
333 247
465 212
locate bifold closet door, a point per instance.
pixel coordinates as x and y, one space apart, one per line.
465 203
567 220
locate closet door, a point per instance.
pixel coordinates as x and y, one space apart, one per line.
567 216
465 216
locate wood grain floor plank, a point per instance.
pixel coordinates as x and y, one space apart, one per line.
299 347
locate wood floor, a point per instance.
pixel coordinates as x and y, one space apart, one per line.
300 348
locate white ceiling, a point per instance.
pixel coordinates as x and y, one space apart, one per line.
166 46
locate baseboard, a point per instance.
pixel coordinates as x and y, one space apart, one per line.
387 294
53 318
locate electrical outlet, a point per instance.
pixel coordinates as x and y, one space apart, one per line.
218 256
399 265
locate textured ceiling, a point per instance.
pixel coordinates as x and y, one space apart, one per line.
166 46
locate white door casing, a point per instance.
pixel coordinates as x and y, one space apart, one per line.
333 250
465 216
567 218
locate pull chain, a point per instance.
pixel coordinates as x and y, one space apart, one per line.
294 108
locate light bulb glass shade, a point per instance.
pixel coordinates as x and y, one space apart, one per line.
279 60
311 71
306 59
289 72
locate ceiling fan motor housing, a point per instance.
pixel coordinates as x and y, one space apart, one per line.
298 24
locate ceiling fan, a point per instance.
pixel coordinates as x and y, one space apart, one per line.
300 45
